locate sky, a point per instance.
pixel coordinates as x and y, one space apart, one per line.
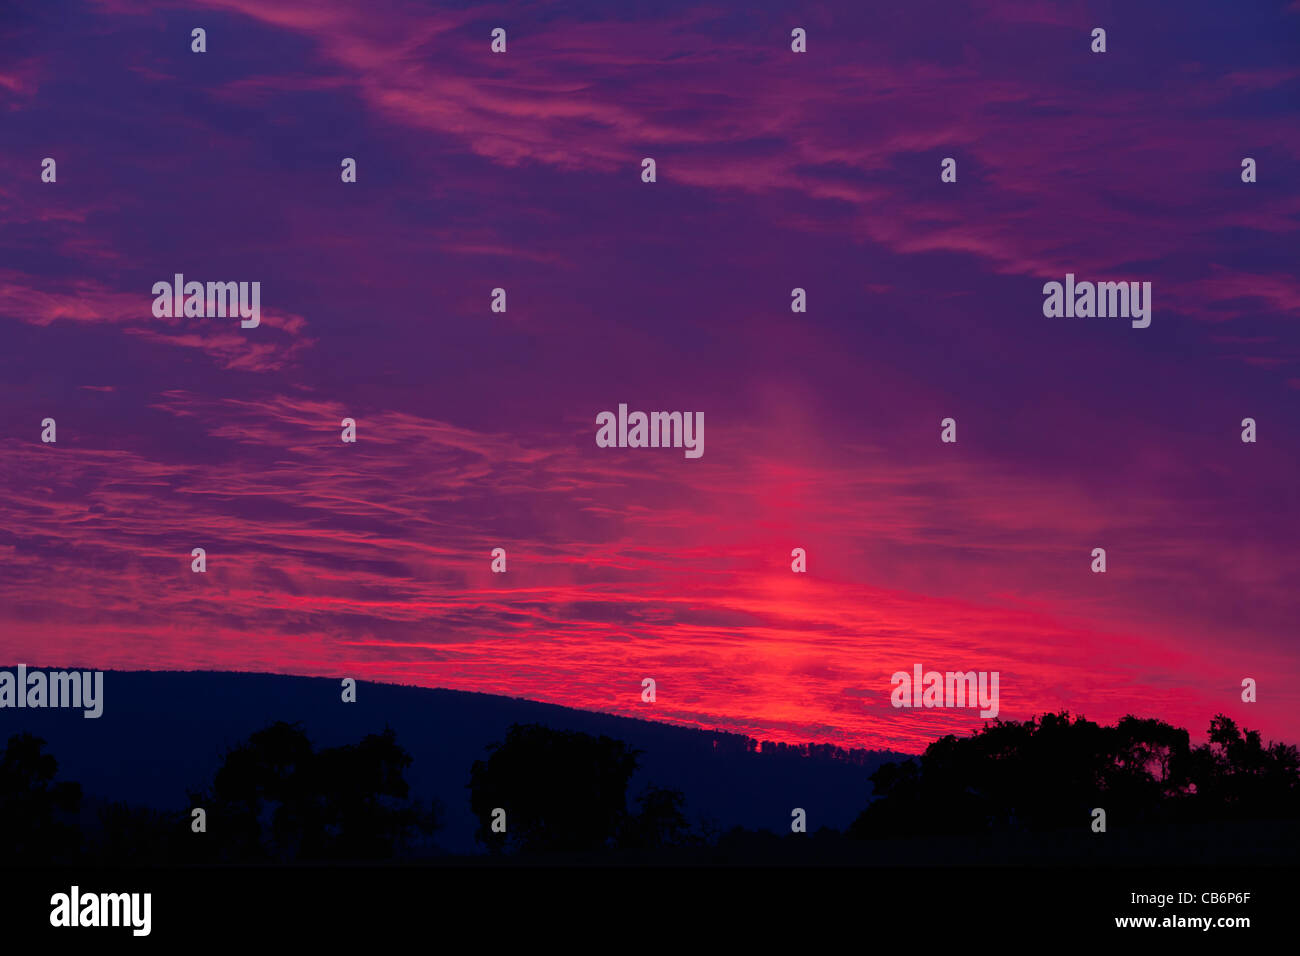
775 170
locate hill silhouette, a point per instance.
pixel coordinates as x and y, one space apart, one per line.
164 734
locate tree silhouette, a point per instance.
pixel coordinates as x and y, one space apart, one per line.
561 790
1234 776
1048 772
275 798
661 821
34 810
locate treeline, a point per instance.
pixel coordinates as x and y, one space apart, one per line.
855 756
1054 771
730 743
276 798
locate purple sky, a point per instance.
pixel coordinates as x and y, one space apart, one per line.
476 429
